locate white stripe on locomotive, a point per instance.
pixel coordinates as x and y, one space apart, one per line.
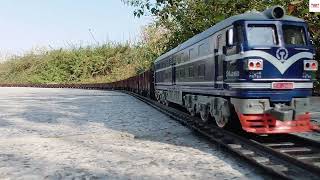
282 67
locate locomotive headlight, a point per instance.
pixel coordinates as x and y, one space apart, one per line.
253 65
310 65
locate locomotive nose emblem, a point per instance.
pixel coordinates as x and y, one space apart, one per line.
282 54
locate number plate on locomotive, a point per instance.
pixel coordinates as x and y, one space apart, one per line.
282 85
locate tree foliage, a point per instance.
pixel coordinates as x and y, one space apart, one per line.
185 18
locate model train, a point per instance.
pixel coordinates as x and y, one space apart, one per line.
256 66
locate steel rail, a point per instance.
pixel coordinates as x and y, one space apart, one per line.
300 151
279 162
272 161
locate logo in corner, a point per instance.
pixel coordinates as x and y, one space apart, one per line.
314 5
282 54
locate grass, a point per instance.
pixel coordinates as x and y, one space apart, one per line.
104 63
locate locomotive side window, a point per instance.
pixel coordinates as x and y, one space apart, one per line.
201 70
203 49
294 35
174 60
191 73
182 73
181 56
192 53
262 35
186 57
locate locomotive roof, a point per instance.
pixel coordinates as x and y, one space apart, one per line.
253 16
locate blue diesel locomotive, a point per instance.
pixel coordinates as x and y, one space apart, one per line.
256 66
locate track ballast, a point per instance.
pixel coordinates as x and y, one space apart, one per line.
263 151
286 156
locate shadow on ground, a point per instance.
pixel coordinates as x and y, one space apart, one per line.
68 115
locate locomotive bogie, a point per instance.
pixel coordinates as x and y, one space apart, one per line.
208 106
161 96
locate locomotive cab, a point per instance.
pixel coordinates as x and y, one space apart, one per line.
273 46
275 60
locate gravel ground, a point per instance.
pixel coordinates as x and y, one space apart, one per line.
315 110
315 118
87 134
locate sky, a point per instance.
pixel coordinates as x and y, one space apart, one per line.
33 24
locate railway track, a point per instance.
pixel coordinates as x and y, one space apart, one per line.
284 156
300 151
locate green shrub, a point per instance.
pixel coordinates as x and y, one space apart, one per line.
94 64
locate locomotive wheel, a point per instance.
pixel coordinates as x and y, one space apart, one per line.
192 112
223 116
205 116
158 99
222 120
166 102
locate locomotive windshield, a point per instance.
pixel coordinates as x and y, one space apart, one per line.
261 35
267 35
294 35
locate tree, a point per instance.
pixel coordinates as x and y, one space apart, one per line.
185 18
